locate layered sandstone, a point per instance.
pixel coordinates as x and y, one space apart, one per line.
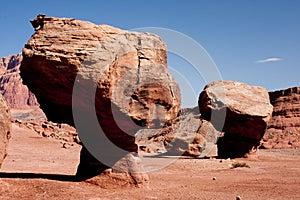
284 127
20 99
13 90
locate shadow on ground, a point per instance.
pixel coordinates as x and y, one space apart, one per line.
56 177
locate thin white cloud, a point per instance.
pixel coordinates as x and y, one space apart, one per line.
274 59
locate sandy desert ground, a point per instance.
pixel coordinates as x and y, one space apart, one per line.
40 168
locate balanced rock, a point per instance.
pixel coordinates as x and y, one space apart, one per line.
284 127
5 128
100 73
241 111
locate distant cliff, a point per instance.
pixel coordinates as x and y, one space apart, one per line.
284 127
16 94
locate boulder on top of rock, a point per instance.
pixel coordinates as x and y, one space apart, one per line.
5 128
239 110
98 71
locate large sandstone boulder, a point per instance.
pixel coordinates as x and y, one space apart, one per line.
119 75
240 111
284 127
5 128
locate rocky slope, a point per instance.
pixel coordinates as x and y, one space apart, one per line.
284 127
76 68
189 135
64 133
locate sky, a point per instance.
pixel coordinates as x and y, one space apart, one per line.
252 41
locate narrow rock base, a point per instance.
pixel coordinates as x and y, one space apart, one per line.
126 172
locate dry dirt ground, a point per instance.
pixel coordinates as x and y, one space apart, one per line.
40 168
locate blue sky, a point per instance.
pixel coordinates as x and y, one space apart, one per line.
253 41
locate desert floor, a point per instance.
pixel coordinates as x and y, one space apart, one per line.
40 168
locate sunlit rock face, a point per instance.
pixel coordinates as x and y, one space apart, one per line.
239 110
121 76
284 127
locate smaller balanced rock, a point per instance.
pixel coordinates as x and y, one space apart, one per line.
239 110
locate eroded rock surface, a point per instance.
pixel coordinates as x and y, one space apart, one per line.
240 111
120 75
189 135
284 127
5 128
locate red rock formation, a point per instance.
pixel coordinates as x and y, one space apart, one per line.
240 111
122 74
5 128
189 135
13 90
284 127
